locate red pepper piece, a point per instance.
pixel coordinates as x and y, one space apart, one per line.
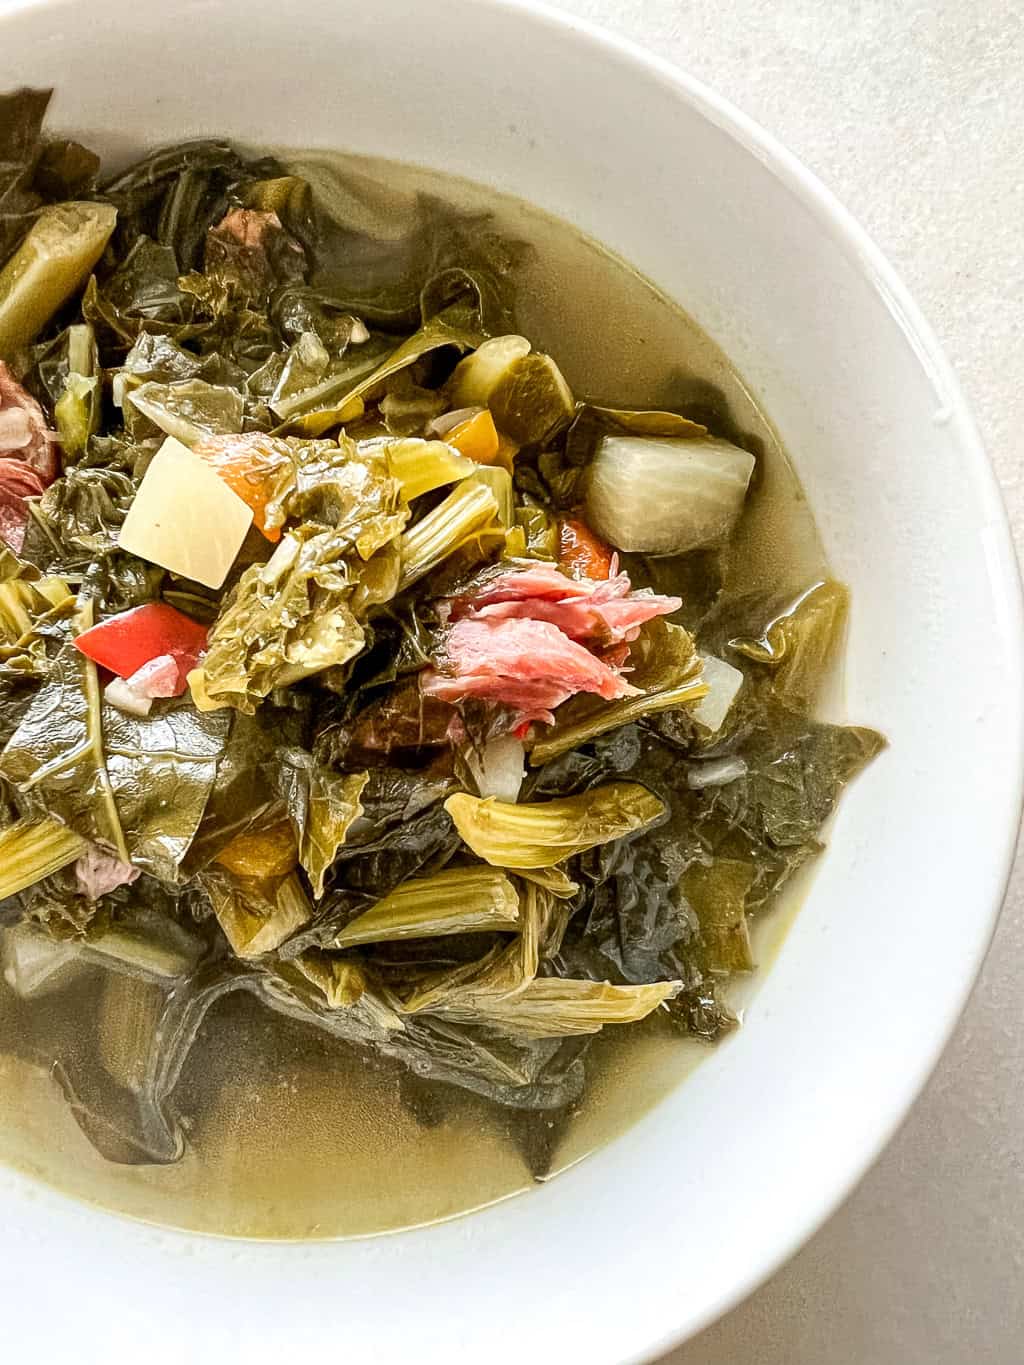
123 643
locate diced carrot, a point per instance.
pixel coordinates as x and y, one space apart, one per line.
581 554
476 438
267 852
256 467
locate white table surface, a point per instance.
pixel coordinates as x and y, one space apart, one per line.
913 113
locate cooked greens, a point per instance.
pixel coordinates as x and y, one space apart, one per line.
351 660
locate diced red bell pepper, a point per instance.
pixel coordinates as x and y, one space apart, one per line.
123 643
581 554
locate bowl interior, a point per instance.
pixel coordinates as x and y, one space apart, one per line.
668 1225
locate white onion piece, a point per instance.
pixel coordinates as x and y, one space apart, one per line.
498 770
125 698
723 682
448 421
716 772
360 333
666 495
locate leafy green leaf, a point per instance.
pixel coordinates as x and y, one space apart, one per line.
328 404
666 667
717 892
299 614
256 915
188 410
322 806
21 122
797 642
138 785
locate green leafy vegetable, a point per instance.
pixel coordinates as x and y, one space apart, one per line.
298 825
531 401
477 376
138 785
421 466
798 644
187 410
32 849
468 515
558 1007
464 900
718 891
665 666
21 124
77 410
256 915
331 403
322 805
50 265
300 613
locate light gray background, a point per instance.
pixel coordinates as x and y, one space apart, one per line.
914 114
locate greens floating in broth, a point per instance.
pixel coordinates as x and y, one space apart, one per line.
428 724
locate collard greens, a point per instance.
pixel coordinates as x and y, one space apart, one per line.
428 773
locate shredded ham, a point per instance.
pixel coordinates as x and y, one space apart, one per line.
29 457
531 638
98 873
18 482
592 611
531 666
39 448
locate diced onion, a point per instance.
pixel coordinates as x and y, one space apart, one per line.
118 693
716 772
723 682
666 496
499 768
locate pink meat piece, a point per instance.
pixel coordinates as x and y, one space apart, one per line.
253 248
529 665
596 612
39 449
98 873
249 227
162 676
18 482
546 582
585 620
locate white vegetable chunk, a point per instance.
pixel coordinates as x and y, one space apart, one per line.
723 682
126 699
499 769
666 495
185 518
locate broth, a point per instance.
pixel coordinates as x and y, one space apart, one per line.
292 1134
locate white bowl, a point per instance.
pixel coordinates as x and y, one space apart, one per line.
671 1224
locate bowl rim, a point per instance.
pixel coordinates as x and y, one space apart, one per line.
833 219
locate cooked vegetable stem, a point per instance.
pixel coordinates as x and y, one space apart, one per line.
33 849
